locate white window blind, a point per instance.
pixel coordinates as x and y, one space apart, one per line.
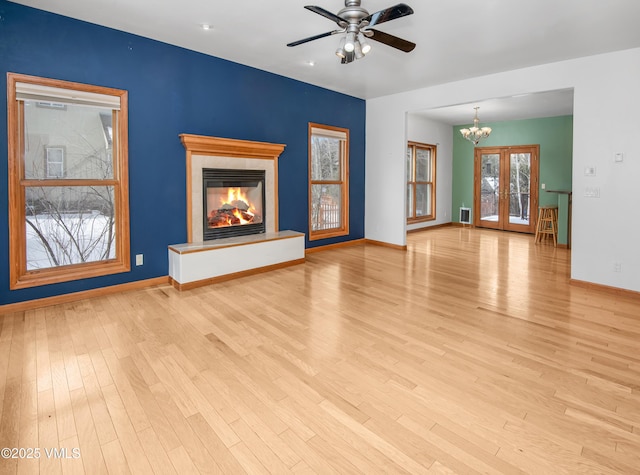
335 134
36 92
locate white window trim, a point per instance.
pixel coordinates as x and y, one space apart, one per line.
49 160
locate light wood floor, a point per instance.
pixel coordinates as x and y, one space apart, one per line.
469 353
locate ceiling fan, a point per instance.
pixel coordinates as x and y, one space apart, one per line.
356 23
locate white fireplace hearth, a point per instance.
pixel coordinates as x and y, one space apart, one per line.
200 262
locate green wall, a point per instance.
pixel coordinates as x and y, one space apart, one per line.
553 134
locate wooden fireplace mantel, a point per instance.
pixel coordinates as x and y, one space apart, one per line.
197 145
231 147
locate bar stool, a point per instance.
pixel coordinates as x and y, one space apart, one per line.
547 224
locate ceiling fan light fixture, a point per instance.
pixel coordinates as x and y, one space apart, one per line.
350 43
358 50
364 44
353 22
340 52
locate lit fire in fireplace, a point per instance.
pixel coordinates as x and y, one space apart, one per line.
234 209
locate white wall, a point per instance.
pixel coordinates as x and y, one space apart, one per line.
606 120
423 130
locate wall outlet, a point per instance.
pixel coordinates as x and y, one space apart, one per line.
139 259
617 267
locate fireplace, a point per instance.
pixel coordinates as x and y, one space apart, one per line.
233 202
214 152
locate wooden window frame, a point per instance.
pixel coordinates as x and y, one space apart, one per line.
413 183
19 276
343 230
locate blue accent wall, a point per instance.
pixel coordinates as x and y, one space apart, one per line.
172 91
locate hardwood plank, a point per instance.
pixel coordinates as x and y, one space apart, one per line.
260 451
471 352
158 458
129 398
397 455
248 460
270 439
334 437
192 446
5 349
181 461
12 402
97 405
71 457
28 423
88 441
156 417
227 463
333 458
28 436
130 444
225 409
48 431
114 458
173 380
57 336
313 459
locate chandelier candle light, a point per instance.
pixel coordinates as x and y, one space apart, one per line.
475 133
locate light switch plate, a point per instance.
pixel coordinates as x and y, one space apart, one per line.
592 192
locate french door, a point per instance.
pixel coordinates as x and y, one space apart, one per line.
506 187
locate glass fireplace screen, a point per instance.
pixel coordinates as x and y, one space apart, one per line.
233 202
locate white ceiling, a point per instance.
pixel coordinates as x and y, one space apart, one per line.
526 106
456 39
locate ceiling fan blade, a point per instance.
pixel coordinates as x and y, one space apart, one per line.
311 38
388 14
327 14
393 41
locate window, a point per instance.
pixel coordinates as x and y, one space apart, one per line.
421 186
328 181
55 162
69 214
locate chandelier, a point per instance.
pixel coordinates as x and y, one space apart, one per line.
475 133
